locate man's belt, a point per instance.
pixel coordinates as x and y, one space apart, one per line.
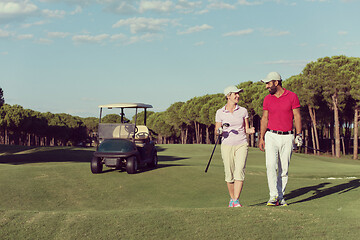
281 132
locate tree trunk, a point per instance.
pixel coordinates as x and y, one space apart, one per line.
195 138
197 134
207 135
343 145
356 118
306 139
182 133
314 125
215 137
3 136
313 138
6 136
336 125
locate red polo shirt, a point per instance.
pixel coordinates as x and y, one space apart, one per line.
280 110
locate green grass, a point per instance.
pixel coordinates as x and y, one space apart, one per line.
50 193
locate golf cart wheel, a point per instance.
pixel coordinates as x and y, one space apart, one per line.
96 165
131 165
154 162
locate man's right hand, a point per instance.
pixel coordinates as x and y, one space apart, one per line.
262 144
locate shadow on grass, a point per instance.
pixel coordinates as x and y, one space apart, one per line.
170 158
160 165
17 155
142 169
160 149
319 192
45 154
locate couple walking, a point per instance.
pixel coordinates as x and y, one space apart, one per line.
280 108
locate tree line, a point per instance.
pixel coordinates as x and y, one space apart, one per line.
19 126
329 93
328 89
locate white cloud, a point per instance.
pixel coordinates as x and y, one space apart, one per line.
121 8
54 14
353 44
90 39
317 0
77 2
221 5
117 37
15 9
144 6
25 36
27 25
249 3
77 10
44 41
199 43
274 33
148 37
239 33
196 29
342 32
57 34
216 5
184 4
4 34
144 24
156 6
203 11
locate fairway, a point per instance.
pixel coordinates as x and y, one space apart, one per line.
50 193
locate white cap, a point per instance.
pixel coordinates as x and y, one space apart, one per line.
272 76
231 89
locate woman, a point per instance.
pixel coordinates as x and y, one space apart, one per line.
234 146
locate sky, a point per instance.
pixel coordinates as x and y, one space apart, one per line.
69 56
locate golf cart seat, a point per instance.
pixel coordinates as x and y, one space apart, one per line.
142 136
124 131
116 130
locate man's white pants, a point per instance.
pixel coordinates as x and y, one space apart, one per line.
278 150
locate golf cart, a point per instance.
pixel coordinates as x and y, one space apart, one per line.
124 145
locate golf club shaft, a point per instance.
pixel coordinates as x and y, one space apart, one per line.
318 150
217 140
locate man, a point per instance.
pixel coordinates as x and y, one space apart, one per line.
280 108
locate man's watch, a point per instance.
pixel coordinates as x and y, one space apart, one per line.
299 134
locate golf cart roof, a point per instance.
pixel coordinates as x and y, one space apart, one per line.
126 105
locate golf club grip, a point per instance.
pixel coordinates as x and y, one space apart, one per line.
217 140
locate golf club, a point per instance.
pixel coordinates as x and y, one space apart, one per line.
217 140
318 150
